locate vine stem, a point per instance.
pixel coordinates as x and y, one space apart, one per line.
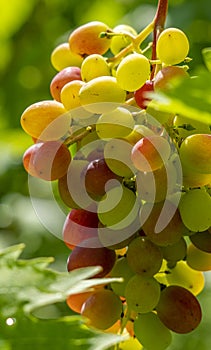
159 22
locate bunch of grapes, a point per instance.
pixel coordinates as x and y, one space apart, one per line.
138 198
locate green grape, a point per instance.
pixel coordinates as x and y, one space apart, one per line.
115 124
195 209
62 57
131 344
70 94
172 46
183 275
94 66
118 208
195 153
121 269
161 222
178 309
46 120
198 259
202 240
117 154
133 71
151 332
150 153
193 179
144 257
142 294
85 40
61 79
175 252
101 94
157 185
119 42
102 309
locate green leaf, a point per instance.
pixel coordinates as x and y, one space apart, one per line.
26 285
206 53
65 333
189 97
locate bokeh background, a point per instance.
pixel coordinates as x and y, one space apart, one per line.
29 31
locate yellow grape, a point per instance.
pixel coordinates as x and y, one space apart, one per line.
114 124
85 40
131 344
133 71
172 46
46 120
119 42
94 66
70 94
195 153
198 259
99 90
62 57
185 276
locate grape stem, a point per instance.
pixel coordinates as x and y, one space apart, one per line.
159 22
72 139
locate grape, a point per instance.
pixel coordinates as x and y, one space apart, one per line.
97 91
161 222
183 275
178 309
137 133
85 255
62 57
103 308
195 209
117 154
142 294
115 124
131 344
94 66
75 301
175 252
61 78
118 208
193 179
172 46
97 174
70 94
85 40
45 120
150 153
141 95
196 149
49 160
119 42
144 257
202 240
121 269
133 71
80 224
165 77
157 185
198 259
151 332
185 126
27 159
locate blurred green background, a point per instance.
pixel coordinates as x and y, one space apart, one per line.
29 31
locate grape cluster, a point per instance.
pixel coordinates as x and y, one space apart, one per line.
139 199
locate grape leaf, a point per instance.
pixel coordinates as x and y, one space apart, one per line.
189 97
65 333
29 284
206 53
